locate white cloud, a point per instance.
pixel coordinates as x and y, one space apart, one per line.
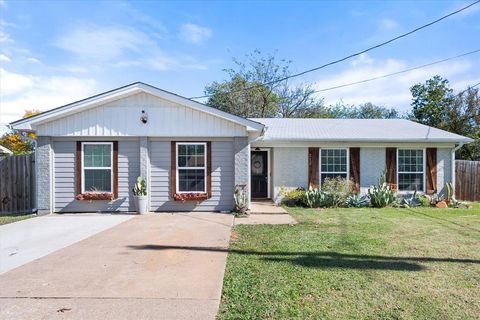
4 37
3 3
391 91
102 43
193 33
23 91
388 24
4 58
121 47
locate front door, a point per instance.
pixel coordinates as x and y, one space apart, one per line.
259 172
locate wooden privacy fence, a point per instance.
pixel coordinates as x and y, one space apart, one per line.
467 180
17 184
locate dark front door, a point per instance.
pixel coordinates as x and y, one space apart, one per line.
259 171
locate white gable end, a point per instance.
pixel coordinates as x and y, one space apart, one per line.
122 118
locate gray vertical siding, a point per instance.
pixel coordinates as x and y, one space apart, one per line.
64 188
222 179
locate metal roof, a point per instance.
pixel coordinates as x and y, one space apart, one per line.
361 130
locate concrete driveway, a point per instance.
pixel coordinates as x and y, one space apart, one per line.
157 266
27 240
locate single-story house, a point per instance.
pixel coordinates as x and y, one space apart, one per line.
182 147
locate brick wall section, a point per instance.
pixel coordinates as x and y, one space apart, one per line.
444 169
43 162
241 161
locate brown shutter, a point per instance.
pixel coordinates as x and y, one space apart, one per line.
313 168
431 170
355 168
209 169
173 167
78 168
115 169
391 165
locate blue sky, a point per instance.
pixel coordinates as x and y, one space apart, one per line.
56 52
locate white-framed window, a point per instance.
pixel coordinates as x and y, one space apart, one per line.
191 167
333 163
97 167
411 169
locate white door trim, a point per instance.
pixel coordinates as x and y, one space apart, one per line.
268 170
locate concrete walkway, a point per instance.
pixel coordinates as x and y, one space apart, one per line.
27 240
157 266
266 207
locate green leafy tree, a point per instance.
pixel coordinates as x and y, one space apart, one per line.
435 104
430 101
362 111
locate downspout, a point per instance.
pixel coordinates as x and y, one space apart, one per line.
460 144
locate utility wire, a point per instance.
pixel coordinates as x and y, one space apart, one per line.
350 56
470 87
396 73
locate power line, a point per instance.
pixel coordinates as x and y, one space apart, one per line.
470 87
396 73
349 56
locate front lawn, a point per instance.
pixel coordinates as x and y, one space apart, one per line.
421 263
4 219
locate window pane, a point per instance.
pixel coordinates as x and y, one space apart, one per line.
332 176
410 181
98 180
182 149
191 180
191 155
333 160
97 155
410 160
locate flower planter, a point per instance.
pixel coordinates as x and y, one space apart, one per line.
190 196
90 196
141 203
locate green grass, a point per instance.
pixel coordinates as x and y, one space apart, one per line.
421 263
4 219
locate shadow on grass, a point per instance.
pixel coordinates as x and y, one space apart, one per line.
324 259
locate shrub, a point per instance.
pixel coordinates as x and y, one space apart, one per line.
356 201
337 190
425 201
381 195
294 198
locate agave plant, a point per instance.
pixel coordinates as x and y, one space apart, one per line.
356 201
382 194
240 197
411 201
140 187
